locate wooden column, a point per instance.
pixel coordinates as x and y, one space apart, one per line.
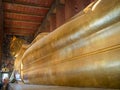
1 30
46 27
40 29
92 0
52 21
60 15
72 7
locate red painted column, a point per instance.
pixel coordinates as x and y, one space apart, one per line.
1 30
92 0
46 27
72 7
52 21
60 15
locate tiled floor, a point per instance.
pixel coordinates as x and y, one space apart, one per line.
44 87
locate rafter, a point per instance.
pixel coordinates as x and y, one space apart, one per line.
19 34
24 13
23 17
22 27
17 29
23 9
21 23
26 3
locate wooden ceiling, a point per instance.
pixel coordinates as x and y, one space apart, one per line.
23 17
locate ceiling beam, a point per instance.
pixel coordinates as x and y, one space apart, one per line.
22 27
26 4
13 31
19 29
23 21
23 17
19 34
24 13
18 8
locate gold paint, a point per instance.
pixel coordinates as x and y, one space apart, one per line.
18 62
41 35
84 52
15 45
